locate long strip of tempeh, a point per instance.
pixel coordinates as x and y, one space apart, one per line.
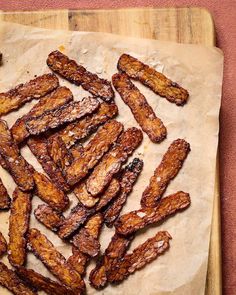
127 180
52 101
114 252
42 283
65 114
54 260
94 151
140 256
130 222
77 74
169 167
156 81
48 217
85 126
3 245
86 240
49 192
5 200
142 111
38 147
18 227
34 89
15 163
78 260
112 161
12 282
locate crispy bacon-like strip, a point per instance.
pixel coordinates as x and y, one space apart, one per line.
15 163
169 167
49 192
77 74
140 256
130 222
12 282
36 88
65 114
127 180
86 240
38 146
94 151
18 227
112 161
114 252
5 200
52 101
156 81
54 260
41 283
142 111
3 245
48 217
78 260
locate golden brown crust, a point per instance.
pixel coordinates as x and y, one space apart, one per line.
77 150
5 200
156 81
18 227
140 256
48 217
3 245
3 163
64 114
77 74
52 101
112 161
142 111
41 283
78 261
12 282
38 146
34 89
127 180
49 193
130 222
85 198
114 252
85 126
15 163
169 167
94 151
54 260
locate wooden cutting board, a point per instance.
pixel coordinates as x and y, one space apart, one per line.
184 25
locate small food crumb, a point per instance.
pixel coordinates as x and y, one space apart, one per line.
84 51
62 48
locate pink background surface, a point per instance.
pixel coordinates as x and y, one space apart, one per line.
224 14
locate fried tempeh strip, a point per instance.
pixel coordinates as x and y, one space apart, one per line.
53 260
94 151
42 283
140 256
78 260
77 74
49 192
127 180
85 198
3 245
12 282
77 150
38 146
112 161
130 222
15 163
48 217
86 240
156 81
5 200
52 101
114 252
34 89
142 111
18 227
65 114
169 167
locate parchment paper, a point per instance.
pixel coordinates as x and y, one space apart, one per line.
182 270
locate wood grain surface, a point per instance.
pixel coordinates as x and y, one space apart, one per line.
183 25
